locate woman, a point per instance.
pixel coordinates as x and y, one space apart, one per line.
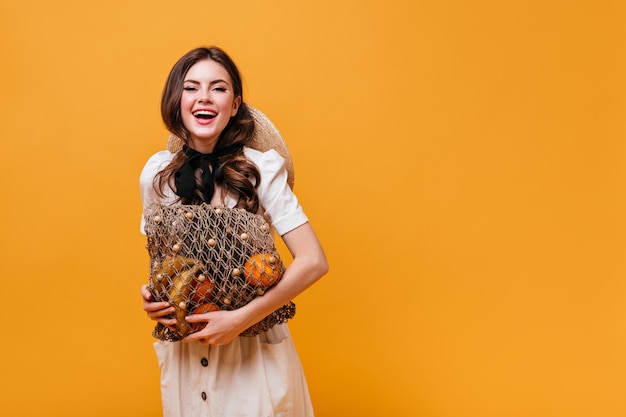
215 371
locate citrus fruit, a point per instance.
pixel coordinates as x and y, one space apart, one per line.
202 291
263 269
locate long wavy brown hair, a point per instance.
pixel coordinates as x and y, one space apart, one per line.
236 174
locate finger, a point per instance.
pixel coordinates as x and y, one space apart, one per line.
154 307
170 323
196 336
145 293
196 318
166 313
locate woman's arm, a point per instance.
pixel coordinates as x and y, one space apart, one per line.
309 264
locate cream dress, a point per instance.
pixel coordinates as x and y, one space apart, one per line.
258 376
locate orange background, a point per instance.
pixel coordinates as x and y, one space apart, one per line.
462 161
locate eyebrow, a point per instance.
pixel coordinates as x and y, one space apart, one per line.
211 83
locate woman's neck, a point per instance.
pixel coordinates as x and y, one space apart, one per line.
201 146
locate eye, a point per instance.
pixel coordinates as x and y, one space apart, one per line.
189 88
220 89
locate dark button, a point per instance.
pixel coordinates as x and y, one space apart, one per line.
203 395
204 362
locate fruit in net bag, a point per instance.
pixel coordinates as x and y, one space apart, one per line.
263 270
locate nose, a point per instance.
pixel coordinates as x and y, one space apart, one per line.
204 97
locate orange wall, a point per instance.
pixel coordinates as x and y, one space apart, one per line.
462 161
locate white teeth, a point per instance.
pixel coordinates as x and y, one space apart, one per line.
204 113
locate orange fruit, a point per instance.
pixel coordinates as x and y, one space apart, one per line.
202 291
263 269
201 309
205 308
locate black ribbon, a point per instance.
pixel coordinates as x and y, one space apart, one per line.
185 178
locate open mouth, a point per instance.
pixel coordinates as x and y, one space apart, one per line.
204 114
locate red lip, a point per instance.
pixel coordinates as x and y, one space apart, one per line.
204 109
204 122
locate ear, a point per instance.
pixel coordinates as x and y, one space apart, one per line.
236 104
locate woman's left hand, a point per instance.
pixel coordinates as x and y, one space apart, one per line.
221 327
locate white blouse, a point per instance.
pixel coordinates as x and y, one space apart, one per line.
278 204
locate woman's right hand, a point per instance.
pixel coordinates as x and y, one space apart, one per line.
159 310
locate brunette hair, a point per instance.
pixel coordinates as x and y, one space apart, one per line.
236 174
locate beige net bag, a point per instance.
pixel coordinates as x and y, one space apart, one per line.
205 258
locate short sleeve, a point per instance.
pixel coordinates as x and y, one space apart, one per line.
278 202
155 163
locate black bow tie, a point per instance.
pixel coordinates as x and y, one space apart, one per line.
185 179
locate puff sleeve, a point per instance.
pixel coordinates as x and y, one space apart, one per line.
279 204
155 163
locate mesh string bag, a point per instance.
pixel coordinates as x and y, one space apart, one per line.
205 258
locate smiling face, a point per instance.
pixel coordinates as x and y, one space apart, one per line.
207 104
